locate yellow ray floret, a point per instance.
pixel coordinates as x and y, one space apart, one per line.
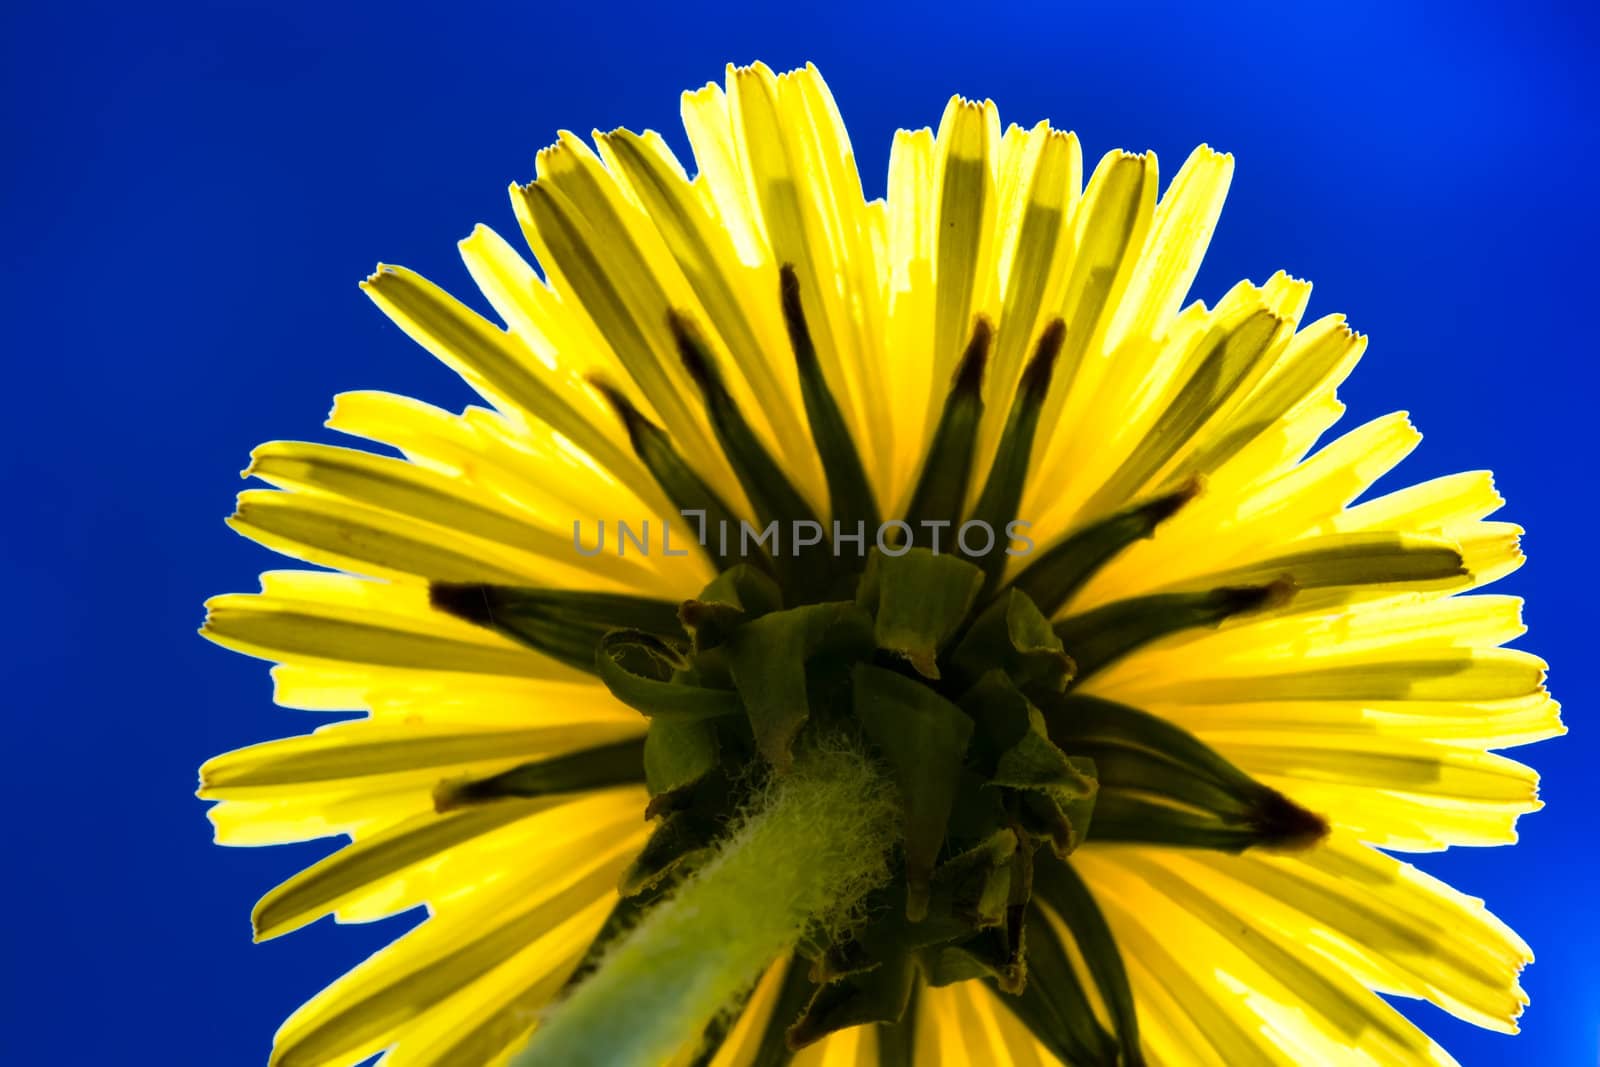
1254 672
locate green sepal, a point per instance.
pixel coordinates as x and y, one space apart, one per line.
949 964
562 624
947 467
897 1041
1008 474
975 906
686 489
1076 719
735 596
619 763
1059 887
1058 791
1125 769
978 882
1012 971
768 660
771 494
923 737
1367 558
1059 816
878 995
969 893
677 755
1098 638
1054 1005
996 954
1159 784
680 841
831 962
919 600
850 496
980 809
1130 819
1065 567
1013 635
989 888
651 675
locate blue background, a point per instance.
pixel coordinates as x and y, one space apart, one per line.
192 191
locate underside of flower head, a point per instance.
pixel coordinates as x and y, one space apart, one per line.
956 680
974 517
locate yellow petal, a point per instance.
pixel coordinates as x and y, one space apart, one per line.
1318 1007
367 1008
465 839
348 752
1109 229
1033 256
730 295
492 363
299 630
1184 221
965 183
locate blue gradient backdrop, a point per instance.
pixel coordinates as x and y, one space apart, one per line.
191 192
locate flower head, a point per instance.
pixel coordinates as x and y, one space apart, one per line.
879 627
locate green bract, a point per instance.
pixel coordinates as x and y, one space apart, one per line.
1001 769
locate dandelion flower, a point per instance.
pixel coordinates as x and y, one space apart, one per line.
895 632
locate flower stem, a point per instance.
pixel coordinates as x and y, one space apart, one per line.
804 857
